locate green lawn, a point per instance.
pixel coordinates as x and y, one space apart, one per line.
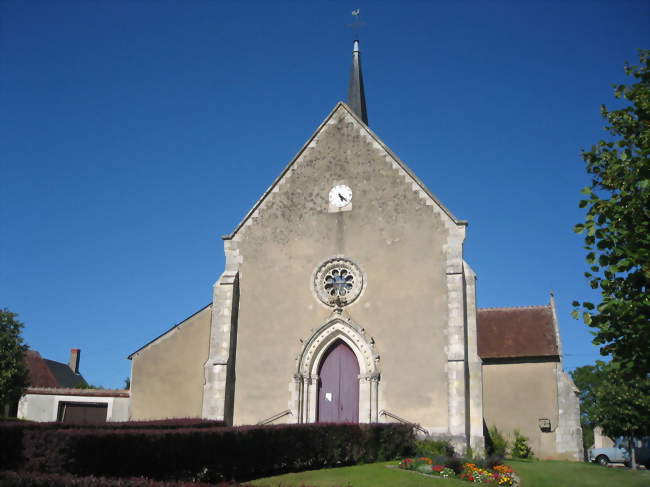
533 474
369 475
576 474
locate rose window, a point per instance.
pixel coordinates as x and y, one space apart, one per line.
338 282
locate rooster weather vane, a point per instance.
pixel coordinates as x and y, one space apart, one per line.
357 24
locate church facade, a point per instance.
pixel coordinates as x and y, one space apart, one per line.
345 298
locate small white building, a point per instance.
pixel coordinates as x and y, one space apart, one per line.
74 405
58 392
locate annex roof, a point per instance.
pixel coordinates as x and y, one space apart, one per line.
518 332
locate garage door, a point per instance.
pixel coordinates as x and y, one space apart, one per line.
82 412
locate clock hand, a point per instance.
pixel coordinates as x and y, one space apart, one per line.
343 198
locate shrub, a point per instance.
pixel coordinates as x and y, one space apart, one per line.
239 453
28 479
496 443
12 432
140 425
520 447
431 448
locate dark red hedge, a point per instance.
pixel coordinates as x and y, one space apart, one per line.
239 453
25 479
155 424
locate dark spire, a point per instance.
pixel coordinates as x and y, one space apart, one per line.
356 93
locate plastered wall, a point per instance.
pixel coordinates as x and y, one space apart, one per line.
167 375
517 395
391 232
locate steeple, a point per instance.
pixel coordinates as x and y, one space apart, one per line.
356 93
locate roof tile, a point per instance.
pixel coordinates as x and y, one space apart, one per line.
516 332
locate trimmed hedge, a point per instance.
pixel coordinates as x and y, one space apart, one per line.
12 432
117 425
239 453
30 479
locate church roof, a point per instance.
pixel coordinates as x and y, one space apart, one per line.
528 331
49 373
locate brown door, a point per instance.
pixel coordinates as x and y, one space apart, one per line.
82 412
338 388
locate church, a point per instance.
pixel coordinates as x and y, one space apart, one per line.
346 298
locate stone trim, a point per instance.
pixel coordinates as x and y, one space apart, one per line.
568 434
64 391
303 386
474 370
456 359
218 389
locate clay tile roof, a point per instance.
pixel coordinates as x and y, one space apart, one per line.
39 373
516 332
48 373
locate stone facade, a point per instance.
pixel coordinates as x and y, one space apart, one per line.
253 355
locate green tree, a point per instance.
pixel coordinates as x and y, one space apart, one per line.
617 228
587 379
13 371
621 405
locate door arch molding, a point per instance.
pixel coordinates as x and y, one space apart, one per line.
304 385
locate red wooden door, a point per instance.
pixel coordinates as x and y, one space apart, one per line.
338 389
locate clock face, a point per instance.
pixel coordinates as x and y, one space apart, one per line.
340 196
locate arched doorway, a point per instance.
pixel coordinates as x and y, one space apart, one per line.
338 388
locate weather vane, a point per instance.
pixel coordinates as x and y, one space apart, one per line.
357 24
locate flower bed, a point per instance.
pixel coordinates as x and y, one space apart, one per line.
470 472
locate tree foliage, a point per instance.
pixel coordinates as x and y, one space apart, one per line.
617 228
621 405
13 371
613 401
587 379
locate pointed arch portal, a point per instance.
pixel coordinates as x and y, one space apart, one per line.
339 359
338 385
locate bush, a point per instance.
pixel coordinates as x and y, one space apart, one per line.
520 447
239 453
26 479
496 443
140 425
431 448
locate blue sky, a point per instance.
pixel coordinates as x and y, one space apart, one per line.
133 134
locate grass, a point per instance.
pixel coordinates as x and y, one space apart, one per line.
576 474
369 475
532 473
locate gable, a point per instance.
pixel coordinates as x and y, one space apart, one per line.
342 113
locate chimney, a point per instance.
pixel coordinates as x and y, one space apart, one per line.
74 360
